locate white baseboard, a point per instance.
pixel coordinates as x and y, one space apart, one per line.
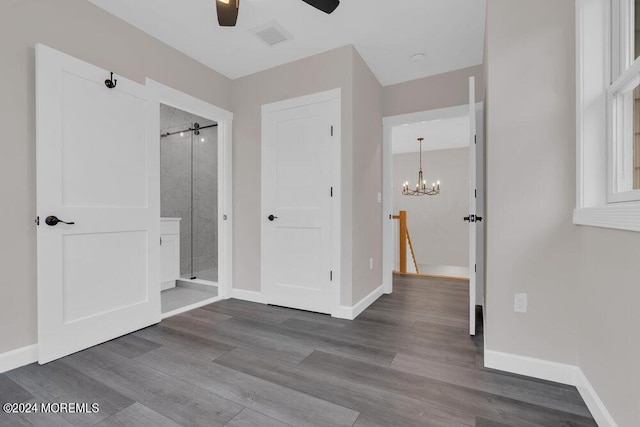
19 357
351 313
190 307
537 368
251 296
552 371
593 402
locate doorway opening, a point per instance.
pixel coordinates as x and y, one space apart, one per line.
188 208
194 145
436 240
470 220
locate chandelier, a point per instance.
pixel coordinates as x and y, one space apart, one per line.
421 185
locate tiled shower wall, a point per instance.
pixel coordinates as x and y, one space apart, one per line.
176 188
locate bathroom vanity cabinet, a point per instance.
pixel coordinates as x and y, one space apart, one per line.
169 252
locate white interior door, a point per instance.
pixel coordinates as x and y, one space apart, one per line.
98 167
472 219
297 195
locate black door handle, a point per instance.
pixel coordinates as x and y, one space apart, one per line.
271 217
53 220
470 218
479 218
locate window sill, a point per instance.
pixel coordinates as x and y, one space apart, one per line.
618 216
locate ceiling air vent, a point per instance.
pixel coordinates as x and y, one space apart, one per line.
272 34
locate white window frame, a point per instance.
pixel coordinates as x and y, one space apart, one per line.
599 62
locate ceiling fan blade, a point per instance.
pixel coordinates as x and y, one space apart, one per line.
227 12
327 6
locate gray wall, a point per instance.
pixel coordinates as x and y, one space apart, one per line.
80 29
361 162
367 180
438 234
440 91
582 281
176 188
608 313
329 70
532 244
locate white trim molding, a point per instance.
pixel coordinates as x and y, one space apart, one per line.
174 98
314 98
594 403
19 357
552 371
618 216
350 313
388 123
244 295
537 368
191 307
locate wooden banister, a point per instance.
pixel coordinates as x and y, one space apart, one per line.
413 254
403 234
403 241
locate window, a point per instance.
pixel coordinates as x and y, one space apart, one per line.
608 113
624 103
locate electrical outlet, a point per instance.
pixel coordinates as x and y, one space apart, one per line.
370 263
520 303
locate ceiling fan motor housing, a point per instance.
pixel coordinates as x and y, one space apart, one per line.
228 11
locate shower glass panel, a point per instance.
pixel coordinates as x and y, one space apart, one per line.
189 188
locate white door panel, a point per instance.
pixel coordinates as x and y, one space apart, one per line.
472 208
97 166
296 189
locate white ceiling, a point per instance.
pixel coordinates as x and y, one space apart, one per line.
386 33
438 135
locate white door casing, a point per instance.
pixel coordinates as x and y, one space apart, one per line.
98 166
479 205
163 94
472 207
299 140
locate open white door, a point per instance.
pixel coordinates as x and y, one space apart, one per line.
472 218
98 167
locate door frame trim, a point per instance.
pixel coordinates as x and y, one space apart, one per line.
174 98
388 123
336 178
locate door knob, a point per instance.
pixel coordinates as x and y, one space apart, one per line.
271 217
53 220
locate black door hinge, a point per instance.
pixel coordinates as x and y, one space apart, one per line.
37 220
475 139
475 267
475 193
331 191
331 130
331 276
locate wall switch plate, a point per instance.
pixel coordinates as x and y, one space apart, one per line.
370 263
520 303
379 197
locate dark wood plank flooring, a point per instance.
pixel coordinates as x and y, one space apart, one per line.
406 361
